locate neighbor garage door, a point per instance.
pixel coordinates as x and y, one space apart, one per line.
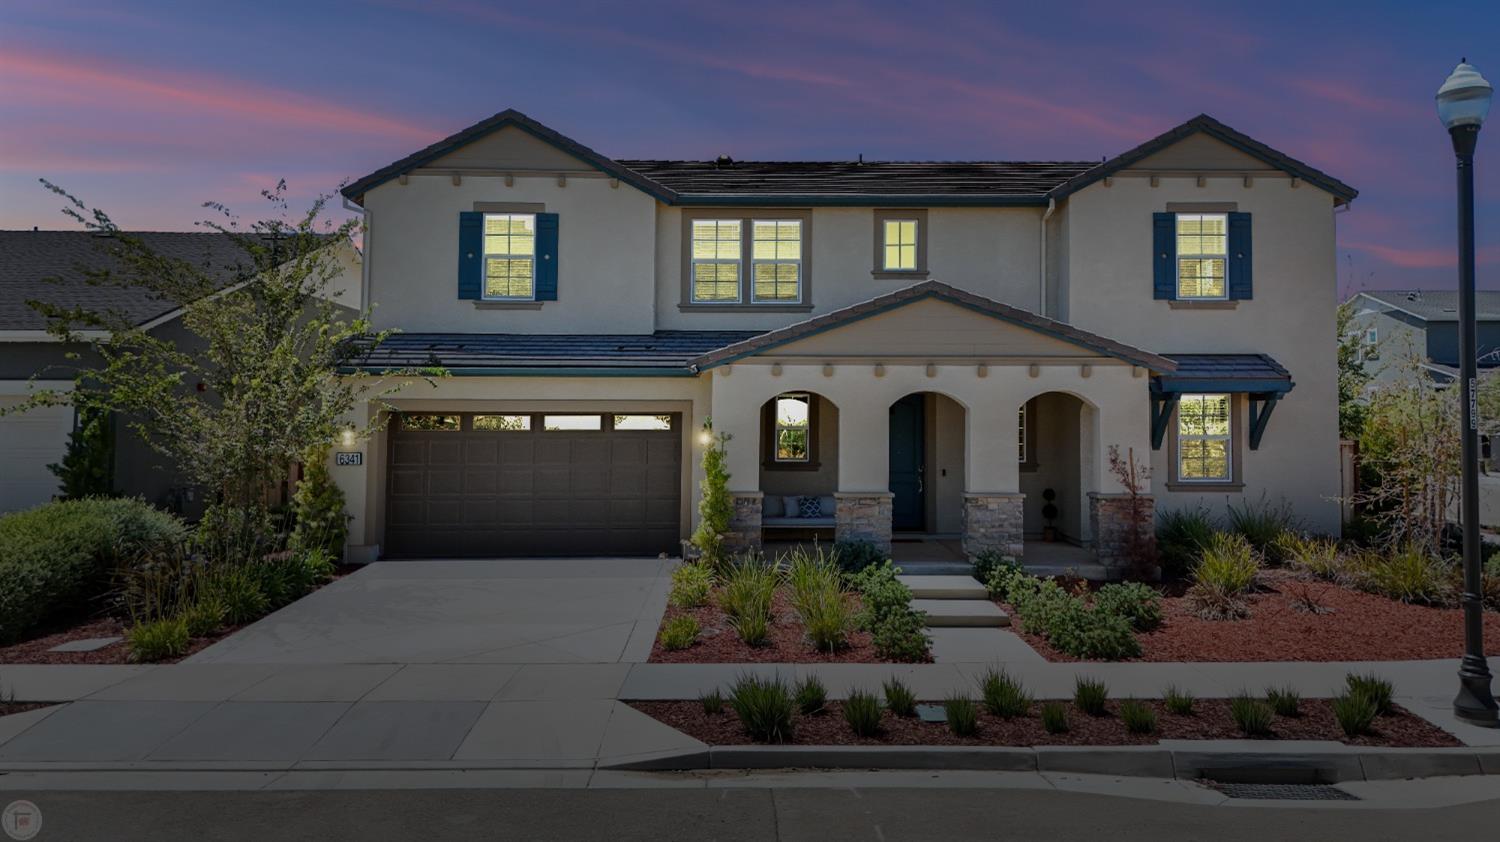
533 484
29 442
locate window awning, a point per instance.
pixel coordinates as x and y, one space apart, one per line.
1258 376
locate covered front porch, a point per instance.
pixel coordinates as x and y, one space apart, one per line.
942 425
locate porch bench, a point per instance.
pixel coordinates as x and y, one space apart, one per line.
775 515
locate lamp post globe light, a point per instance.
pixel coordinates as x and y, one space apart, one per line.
1462 104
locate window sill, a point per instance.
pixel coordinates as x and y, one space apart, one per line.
1203 305
507 305
744 308
1208 487
912 275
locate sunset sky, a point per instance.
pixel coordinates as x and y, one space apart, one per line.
149 109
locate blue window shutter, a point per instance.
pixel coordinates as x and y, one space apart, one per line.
1164 254
470 255
1239 257
546 257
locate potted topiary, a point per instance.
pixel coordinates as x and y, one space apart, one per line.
1049 513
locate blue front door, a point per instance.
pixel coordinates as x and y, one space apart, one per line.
907 459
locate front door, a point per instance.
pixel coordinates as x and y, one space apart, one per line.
909 507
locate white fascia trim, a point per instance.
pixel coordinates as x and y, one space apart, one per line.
26 387
44 336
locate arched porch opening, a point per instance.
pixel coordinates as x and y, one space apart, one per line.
1056 452
798 464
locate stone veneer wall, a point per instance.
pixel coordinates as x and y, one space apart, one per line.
994 522
744 525
1110 524
863 516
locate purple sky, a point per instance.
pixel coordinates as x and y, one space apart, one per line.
149 109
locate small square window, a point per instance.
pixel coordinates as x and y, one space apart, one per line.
502 423
643 422
427 423
900 245
573 422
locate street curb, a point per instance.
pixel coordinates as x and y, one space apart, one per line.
1283 764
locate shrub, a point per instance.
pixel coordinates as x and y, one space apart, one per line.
862 712
278 578
1262 523
1137 602
239 591
1003 695
1178 701
712 701
962 715
990 562
1226 572
764 706
1355 713
899 699
1318 557
715 505
157 640
1007 583
1251 715
810 695
691 585
819 598
898 632
746 597
1090 695
1139 717
56 559
1055 718
1036 604
854 557
1378 690
318 507
1088 631
1181 535
680 632
1285 700
204 616
1407 574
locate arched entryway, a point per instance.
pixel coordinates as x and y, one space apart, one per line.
798 465
927 435
1056 449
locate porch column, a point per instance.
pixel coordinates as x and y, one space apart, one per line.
736 411
992 513
863 501
1121 525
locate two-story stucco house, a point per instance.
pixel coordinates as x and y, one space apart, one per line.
894 348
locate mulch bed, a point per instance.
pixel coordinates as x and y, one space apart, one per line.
787 642
22 707
1210 721
1354 626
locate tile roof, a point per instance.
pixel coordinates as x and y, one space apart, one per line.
664 349
1437 305
695 180
44 266
935 289
1258 372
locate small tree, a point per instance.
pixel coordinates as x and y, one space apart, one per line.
715 507
1140 539
87 466
1353 376
318 506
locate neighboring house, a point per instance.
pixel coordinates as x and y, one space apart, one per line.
46 266
895 348
1393 323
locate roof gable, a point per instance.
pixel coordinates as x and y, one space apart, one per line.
455 145
1203 124
970 333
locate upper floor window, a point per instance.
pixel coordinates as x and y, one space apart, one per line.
900 253
1202 256
510 256
1371 348
776 259
1203 438
715 260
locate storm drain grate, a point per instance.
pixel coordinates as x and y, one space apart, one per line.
1284 792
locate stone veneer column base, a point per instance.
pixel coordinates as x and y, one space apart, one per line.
1110 523
863 516
744 525
993 522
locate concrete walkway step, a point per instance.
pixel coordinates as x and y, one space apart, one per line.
944 587
964 613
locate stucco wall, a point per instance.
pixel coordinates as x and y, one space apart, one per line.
1291 317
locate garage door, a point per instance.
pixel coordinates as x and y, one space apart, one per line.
533 484
29 441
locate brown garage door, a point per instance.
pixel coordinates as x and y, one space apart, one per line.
533 484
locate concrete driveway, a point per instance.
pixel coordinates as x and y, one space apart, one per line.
559 611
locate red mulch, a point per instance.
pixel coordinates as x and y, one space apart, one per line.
1355 626
1210 721
22 707
787 642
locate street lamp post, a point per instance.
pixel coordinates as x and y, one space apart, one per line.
1462 103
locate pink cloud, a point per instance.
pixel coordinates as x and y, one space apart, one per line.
1421 258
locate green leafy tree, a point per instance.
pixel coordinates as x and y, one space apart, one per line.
1353 376
87 466
715 507
255 385
318 506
